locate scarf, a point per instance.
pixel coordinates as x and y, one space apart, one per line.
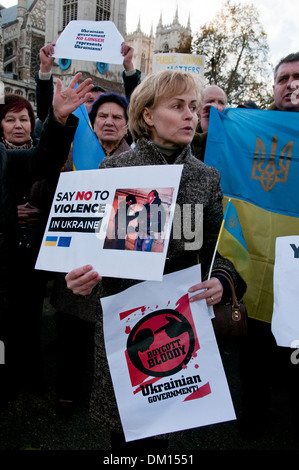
9 145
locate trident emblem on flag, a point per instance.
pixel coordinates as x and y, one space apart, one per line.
274 169
233 221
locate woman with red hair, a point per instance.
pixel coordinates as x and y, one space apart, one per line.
22 163
17 122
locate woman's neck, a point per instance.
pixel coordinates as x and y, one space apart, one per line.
169 153
110 147
12 146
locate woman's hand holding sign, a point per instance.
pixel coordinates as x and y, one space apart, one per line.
211 290
81 281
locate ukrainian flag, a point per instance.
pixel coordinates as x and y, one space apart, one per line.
232 244
51 241
257 155
86 149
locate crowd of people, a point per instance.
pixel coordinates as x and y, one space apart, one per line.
162 120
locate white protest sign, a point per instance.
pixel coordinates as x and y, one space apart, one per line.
97 41
164 359
176 61
106 217
285 319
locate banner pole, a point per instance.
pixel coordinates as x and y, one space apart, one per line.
217 243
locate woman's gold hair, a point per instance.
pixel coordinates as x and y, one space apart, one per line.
166 84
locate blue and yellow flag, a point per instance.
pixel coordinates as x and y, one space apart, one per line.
87 150
257 155
232 244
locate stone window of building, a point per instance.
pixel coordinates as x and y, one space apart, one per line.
103 10
9 68
70 11
31 97
37 44
8 50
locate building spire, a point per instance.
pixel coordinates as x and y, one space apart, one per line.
176 16
189 25
152 31
159 25
160 20
138 26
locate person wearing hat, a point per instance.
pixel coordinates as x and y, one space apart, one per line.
248 105
109 118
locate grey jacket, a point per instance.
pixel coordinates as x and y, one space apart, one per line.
199 184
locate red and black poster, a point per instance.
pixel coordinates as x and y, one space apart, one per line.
164 359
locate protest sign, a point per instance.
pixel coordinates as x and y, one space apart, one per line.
164 359
97 41
117 219
285 319
174 61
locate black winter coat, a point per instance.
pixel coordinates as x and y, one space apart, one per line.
17 166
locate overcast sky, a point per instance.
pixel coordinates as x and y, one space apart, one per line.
278 17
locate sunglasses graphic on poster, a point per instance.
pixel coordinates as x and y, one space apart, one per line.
161 343
174 377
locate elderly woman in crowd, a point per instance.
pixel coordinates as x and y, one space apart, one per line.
109 120
162 120
17 124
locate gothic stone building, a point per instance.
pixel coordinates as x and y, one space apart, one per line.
28 25
22 32
166 39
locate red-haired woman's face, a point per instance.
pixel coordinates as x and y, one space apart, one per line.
16 126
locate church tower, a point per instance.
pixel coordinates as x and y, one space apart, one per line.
168 36
24 47
143 45
166 39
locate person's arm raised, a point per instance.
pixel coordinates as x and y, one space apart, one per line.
65 102
46 58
